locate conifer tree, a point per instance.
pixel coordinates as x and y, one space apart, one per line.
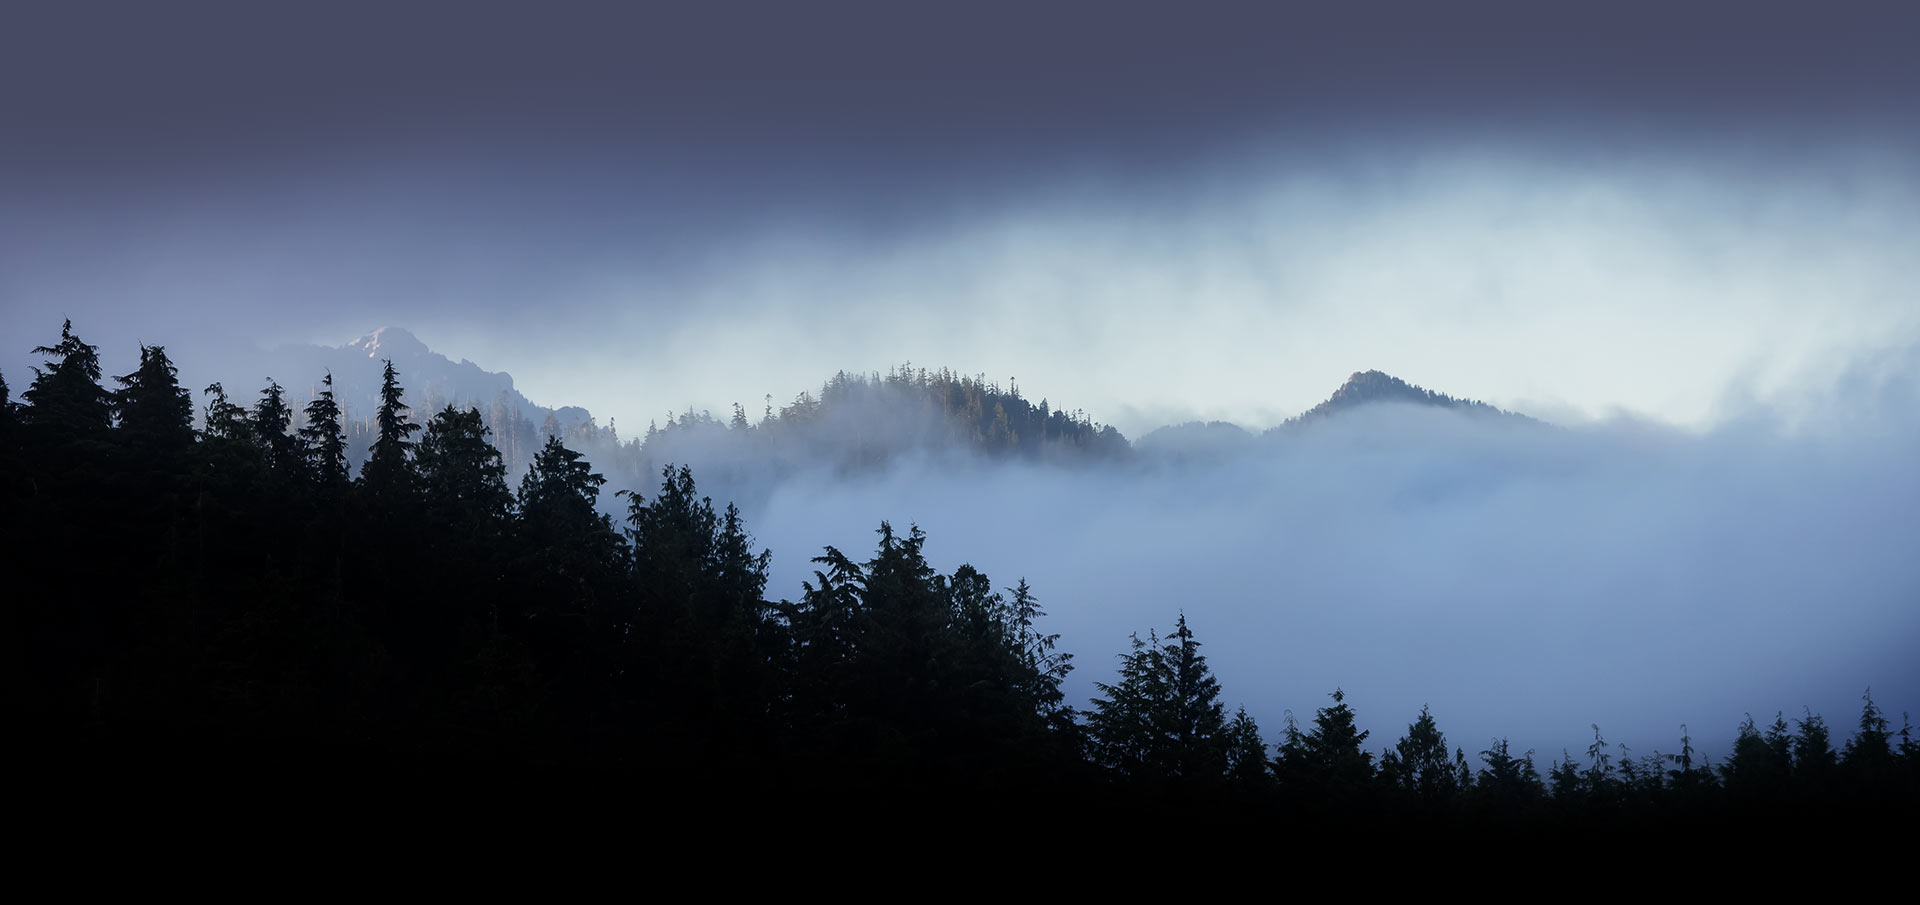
1045 667
1246 752
461 474
906 648
272 423
1813 759
1507 784
8 422
325 439
558 498
1332 753
225 420
1198 720
1684 777
1569 787
1868 756
1290 769
1124 727
388 475
1754 768
155 413
1599 777
66 404
1417 767
1779 740
826 630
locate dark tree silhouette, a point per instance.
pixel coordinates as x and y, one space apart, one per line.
66 405
155 413
272 427
388 477
1332 758
462 476
1418 767
1246 752
1197 716
325 440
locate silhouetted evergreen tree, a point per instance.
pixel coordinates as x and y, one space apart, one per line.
272 427
1332 756
705 650
1163 719
1599 779
1126 726
1246 752
1417 767
1813 760
1044 666
9 450
154 411
1756 769
1198 718
826 632
67 409
6 410
1507 785
225 419
389 477
901 682
569 562
1568 786
462 477
325 439
1868 757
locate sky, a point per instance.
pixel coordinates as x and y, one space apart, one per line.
1683 231
1148 214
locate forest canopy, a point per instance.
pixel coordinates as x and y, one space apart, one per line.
186 584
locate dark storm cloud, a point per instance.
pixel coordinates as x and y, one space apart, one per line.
125 86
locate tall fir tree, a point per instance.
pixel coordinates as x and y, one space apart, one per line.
224 419
463 479
283 449
1334 755
1198 719
325 438
65 403
1045 666
1868 756
563 530
1126 726
1813 760
388 475
1418 768
1507 785
154 412
1246 752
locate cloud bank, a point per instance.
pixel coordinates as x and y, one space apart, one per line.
1524 581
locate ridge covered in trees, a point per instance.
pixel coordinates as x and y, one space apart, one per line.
1369 387
182 593
853 422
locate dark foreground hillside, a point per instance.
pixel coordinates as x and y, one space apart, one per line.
226 613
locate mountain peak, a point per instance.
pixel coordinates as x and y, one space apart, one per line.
389 342
1366 387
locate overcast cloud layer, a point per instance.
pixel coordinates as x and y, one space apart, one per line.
1148 216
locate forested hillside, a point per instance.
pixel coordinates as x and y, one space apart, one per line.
177 595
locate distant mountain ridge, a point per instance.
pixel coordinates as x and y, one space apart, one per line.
856 422
1372 387
432 381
